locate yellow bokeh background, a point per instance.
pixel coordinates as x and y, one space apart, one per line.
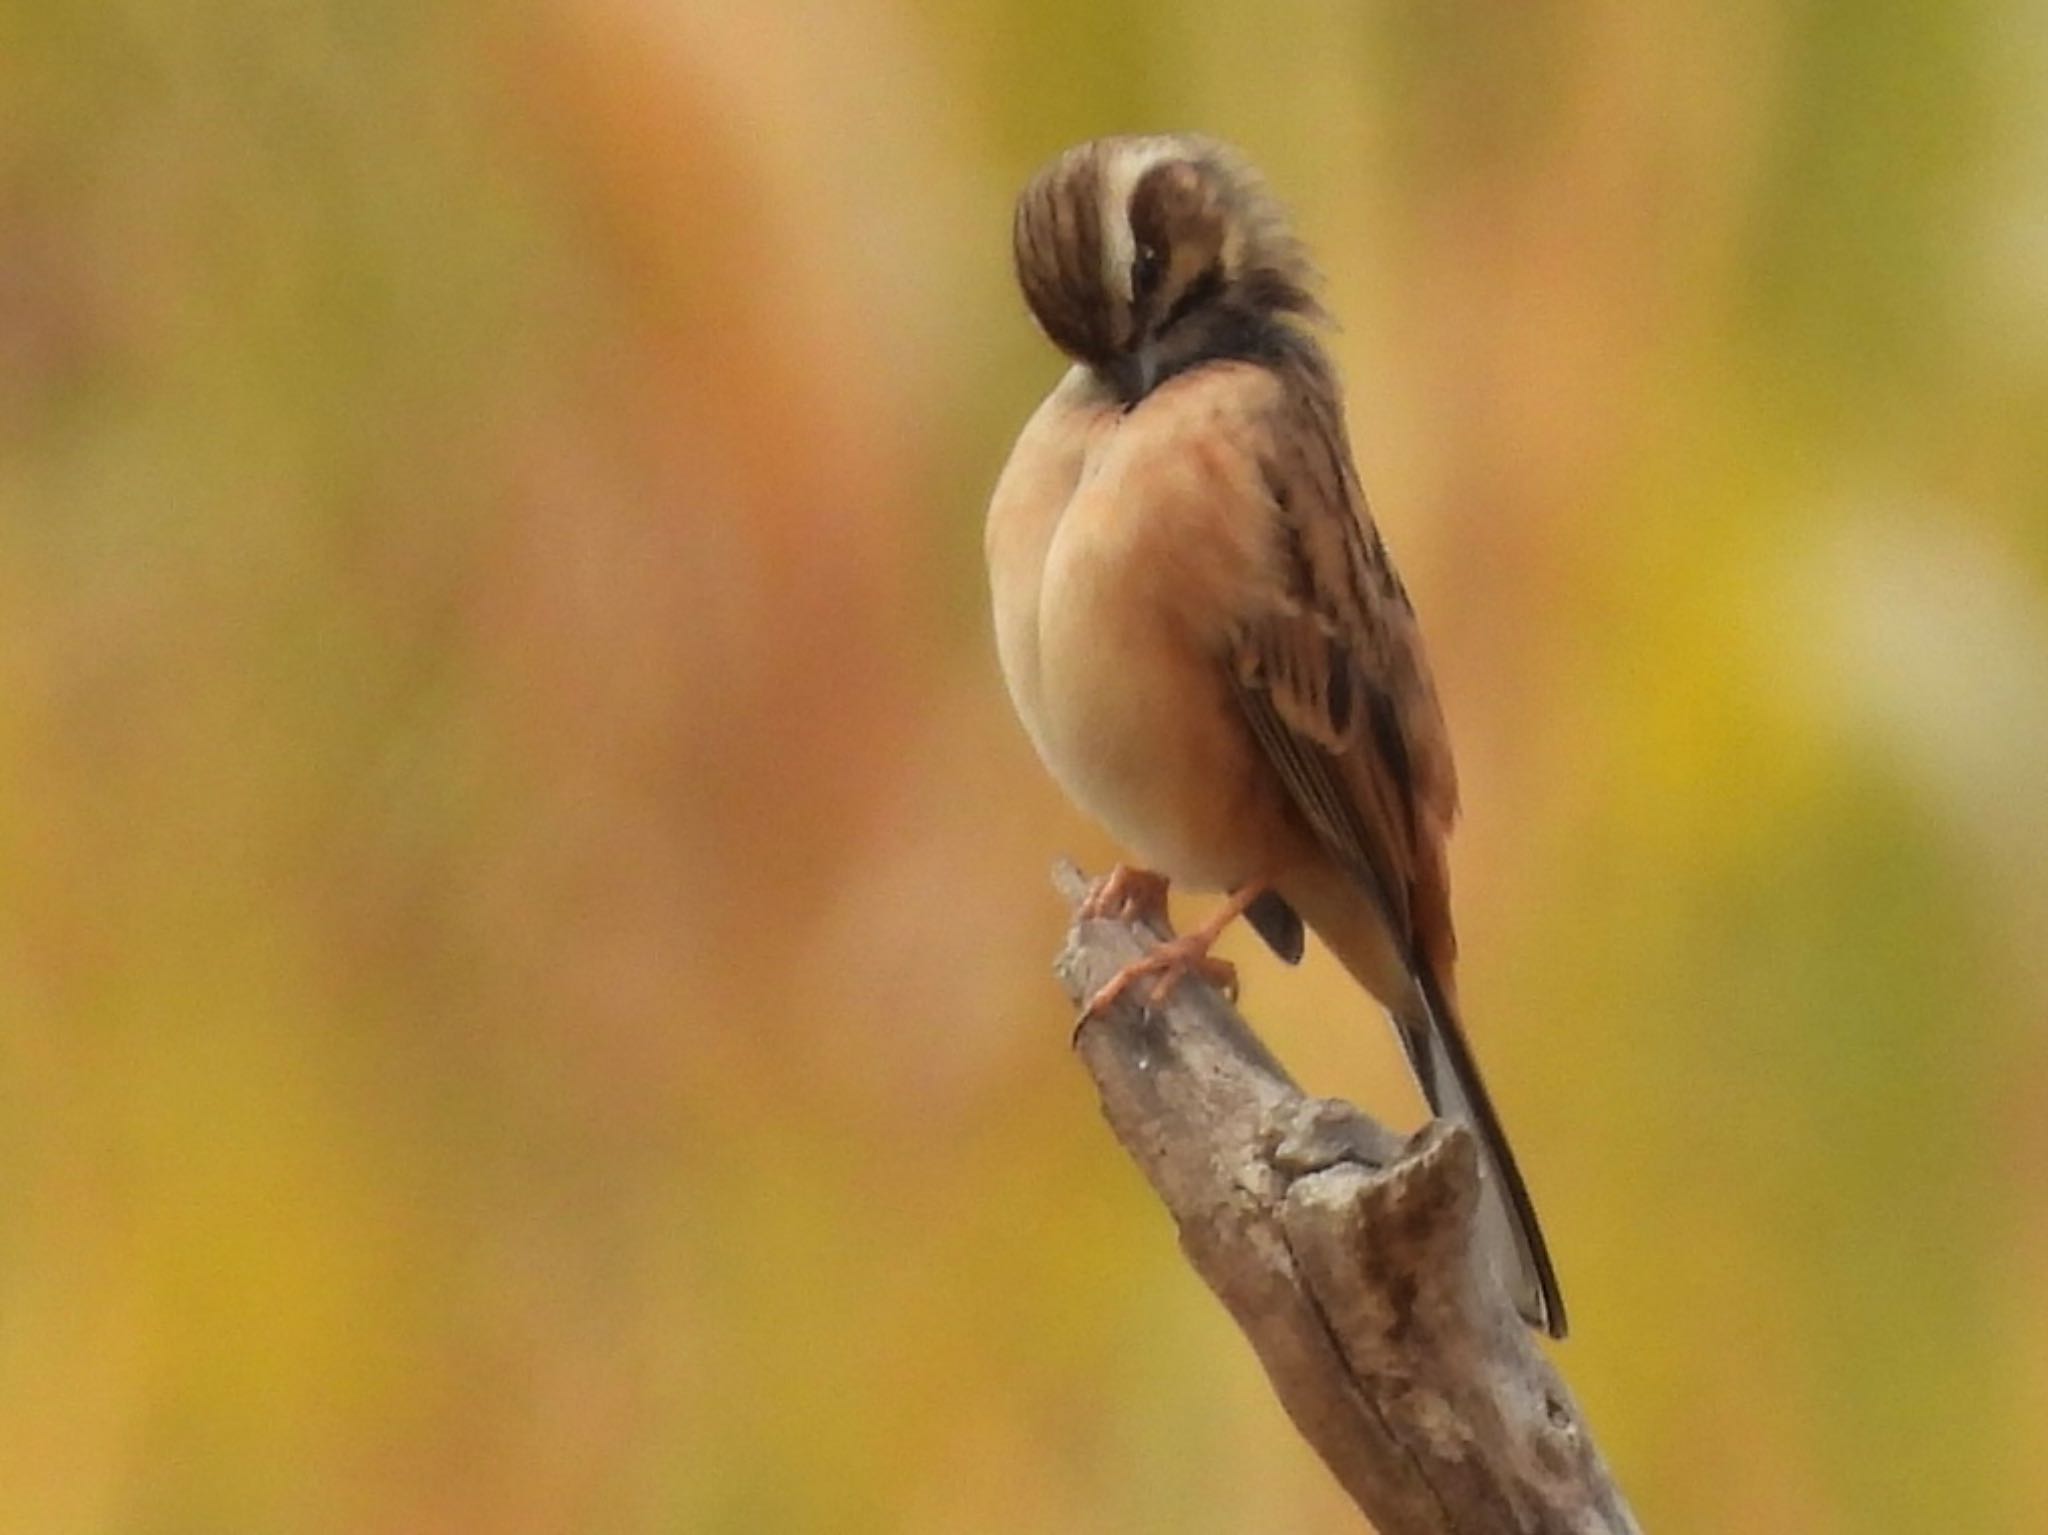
524 932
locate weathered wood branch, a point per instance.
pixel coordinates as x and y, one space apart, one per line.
1346 1255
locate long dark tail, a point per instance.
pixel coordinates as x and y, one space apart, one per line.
1437 1049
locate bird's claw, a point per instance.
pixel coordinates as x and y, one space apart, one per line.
1126 894
1168 963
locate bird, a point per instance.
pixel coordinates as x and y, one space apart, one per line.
1201 628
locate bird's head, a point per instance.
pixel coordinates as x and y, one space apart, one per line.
1142 256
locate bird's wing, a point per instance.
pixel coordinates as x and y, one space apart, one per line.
1328 667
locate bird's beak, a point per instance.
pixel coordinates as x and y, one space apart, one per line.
1148 367
1135 372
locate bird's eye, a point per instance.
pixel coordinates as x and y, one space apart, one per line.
1147 267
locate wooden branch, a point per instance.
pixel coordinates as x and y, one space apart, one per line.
1346 1255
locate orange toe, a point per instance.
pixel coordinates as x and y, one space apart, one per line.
1168 963
1128 895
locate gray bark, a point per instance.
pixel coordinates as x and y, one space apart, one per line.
1346 1255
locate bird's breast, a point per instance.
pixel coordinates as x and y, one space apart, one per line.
1031 497
1120 674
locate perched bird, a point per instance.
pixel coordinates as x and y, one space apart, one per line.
1199 624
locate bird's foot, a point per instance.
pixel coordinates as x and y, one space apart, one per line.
1168 962
1173 960
1129 895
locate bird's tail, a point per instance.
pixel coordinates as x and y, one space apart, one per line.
1443 1063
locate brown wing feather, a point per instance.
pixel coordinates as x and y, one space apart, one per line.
1332 678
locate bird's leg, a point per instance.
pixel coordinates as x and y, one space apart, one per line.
1129 895
1173 959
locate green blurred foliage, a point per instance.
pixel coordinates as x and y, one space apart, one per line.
522 934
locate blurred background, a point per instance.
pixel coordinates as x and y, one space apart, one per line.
524 935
